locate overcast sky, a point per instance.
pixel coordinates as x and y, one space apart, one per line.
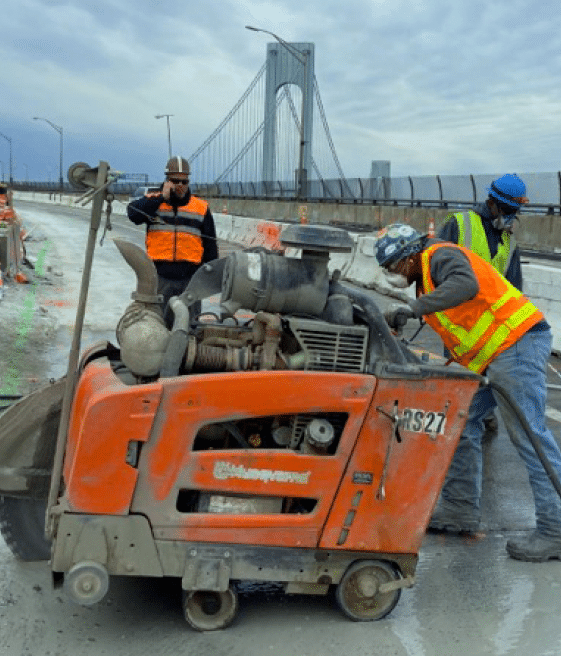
434 86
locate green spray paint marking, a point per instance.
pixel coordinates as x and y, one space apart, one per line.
12 381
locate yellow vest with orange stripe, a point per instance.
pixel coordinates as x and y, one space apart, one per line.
180 241
471 234
478 330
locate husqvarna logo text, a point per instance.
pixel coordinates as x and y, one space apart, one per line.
224 470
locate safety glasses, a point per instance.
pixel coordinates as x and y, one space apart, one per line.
505 209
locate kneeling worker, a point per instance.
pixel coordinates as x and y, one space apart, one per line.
491 328
180 230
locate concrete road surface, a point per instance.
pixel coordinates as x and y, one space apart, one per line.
469 599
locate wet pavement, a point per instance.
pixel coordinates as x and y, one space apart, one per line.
470 598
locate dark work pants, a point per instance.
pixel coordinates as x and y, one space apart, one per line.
169 287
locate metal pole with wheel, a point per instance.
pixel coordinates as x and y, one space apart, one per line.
95 181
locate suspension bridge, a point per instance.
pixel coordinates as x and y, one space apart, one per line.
276 135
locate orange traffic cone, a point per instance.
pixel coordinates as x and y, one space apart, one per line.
431 227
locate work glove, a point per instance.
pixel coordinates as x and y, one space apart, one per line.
397 315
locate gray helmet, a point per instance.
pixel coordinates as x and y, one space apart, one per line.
397 241
177 165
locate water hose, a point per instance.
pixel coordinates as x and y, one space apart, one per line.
552 474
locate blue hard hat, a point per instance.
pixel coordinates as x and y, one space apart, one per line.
508 189
397 241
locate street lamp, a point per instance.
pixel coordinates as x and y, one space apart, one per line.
26 173
302 57
10 142
59 130
166 116
2 178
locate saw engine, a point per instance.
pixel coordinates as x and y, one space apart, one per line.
303 317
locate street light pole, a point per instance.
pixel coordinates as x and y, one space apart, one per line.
302 57
10 142
59 130
166 116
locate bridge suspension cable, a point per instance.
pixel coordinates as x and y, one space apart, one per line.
233 153
229 116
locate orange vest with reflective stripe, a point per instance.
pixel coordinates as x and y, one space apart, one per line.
177 236
478 330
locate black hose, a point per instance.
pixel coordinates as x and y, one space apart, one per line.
379 330
531 435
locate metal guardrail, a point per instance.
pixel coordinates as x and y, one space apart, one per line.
442 192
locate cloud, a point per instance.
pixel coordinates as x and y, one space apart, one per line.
433 86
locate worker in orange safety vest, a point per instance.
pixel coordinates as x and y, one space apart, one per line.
491 328
180 230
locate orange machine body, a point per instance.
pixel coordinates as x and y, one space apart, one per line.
373 493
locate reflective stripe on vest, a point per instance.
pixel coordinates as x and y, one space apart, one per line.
471 234
478 330
173 241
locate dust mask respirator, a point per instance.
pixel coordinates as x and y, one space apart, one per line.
397 280
504 222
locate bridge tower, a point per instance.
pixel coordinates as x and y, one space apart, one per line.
289 63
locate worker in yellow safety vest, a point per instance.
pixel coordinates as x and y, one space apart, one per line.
487 230
491 328
180 230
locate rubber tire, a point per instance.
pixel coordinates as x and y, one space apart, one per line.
203 619
365 609
89 573
22 525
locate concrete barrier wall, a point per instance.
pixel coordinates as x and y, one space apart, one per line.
542 282
534 231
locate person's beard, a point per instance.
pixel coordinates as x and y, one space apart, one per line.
179 192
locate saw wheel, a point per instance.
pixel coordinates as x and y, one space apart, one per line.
22 525
359 595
